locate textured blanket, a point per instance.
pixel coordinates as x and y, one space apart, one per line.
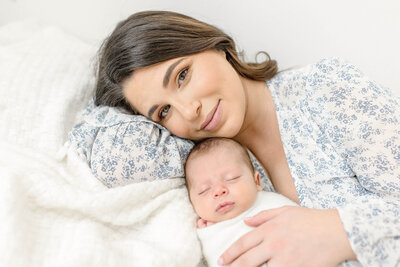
53 212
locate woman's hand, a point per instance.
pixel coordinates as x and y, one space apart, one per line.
291 236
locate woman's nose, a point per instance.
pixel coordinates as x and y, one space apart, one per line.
190 110
220 191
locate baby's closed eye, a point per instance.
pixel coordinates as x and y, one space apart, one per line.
233 178
204 190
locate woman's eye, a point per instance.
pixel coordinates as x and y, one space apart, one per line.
182 76
164 112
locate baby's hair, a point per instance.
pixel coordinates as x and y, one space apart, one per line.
212 143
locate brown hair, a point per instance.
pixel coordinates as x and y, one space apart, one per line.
150 37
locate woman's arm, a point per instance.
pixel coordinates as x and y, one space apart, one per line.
364 128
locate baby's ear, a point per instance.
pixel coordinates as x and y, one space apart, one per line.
257 180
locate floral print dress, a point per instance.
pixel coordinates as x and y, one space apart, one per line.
341 136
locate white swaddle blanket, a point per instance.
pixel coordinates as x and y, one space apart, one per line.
215 239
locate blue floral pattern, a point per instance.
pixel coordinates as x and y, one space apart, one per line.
341 135
121 148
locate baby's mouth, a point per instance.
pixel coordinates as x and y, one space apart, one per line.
225 207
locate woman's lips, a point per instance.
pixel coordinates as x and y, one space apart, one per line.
213 118
225 207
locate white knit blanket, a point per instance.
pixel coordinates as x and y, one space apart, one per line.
53 211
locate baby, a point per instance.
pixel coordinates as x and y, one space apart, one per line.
224 189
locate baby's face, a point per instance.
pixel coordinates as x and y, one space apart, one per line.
221 184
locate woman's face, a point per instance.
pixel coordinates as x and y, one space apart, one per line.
195 96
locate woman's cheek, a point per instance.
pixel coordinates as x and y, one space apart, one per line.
182 132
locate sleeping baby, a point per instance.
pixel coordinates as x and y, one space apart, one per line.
224 189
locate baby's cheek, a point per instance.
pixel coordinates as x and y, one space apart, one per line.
195 204
202 210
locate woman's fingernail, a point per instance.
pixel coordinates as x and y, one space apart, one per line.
220 262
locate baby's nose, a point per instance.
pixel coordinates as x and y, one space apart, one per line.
220 192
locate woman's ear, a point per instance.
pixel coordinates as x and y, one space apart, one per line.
221 52
257 180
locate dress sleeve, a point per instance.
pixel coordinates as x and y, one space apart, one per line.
364 126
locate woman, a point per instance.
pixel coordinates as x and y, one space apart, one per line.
327 137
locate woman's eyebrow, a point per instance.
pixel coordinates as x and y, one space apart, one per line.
169 71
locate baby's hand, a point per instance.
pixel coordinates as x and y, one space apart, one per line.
201 223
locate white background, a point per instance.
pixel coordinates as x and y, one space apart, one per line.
294 32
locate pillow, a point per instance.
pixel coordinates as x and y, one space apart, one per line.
121 148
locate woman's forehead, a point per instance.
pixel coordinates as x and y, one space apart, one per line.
146 75
156 75
142 88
